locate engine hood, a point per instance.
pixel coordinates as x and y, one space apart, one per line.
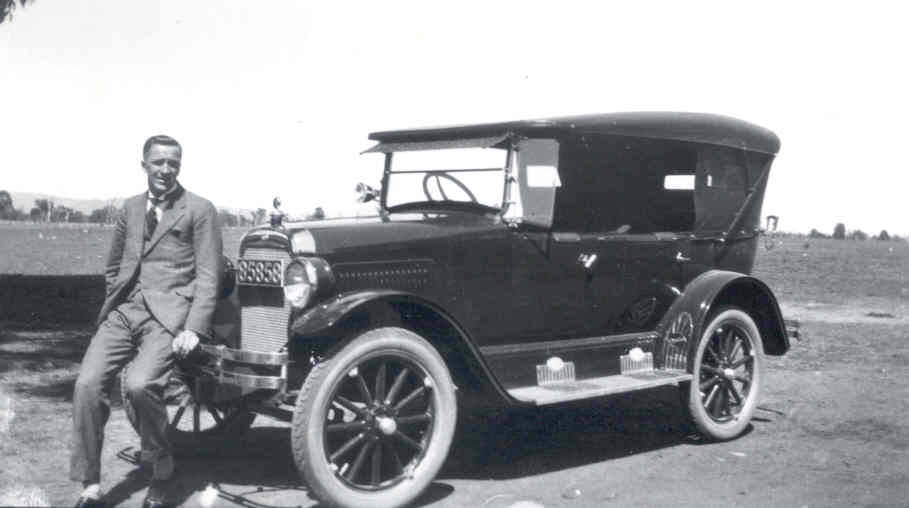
393 235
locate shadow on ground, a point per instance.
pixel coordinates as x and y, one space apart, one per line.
243 473
529 442
261 459
48 300
508 445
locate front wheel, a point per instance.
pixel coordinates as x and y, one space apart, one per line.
373 423
727 375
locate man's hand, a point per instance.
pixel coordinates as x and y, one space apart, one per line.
184 343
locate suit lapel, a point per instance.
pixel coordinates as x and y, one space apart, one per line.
169 218
137 221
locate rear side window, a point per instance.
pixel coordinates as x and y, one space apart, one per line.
722 183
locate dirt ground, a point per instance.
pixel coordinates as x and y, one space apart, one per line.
831 429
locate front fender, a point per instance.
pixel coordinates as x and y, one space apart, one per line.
324 315
320 323
716 288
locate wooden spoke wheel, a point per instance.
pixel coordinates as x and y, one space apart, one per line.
727 374
373 424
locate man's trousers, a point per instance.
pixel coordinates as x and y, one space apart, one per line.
129 333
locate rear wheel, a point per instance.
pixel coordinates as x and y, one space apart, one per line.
374 422
727 375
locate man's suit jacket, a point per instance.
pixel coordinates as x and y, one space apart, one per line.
178 268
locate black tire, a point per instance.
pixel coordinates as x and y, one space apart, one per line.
727 375
402 420
194 426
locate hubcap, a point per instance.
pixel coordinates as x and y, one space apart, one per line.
387 425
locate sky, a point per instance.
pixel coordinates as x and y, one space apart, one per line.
278 98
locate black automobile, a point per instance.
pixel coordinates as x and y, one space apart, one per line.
522 263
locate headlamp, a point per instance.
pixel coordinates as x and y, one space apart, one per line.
304 278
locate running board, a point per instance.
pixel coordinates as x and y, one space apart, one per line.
554 393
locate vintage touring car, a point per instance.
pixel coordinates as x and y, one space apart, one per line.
512 264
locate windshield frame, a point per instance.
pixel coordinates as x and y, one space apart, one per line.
506 171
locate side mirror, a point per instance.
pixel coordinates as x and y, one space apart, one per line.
366 193
772 221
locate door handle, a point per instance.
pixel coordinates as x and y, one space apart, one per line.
588 261
681 258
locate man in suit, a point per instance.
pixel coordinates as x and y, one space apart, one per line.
162 283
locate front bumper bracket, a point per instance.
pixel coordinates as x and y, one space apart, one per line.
222 363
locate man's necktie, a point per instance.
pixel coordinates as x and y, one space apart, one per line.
151 217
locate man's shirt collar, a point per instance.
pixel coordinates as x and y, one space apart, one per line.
163 197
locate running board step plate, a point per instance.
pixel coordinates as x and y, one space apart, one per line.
554 393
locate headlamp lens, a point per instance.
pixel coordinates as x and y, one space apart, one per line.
300 282
295 273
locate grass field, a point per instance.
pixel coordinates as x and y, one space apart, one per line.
48 249
831 430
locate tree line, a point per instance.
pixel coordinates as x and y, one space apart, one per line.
840 233
45 210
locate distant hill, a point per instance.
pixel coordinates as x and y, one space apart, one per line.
25 201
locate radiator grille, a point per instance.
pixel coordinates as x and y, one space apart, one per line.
264 313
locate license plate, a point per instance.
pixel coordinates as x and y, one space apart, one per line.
260 272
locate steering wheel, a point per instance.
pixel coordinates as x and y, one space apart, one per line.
439 176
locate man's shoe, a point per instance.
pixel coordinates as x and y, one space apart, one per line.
90 502
157 495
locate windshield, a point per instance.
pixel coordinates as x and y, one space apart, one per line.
460 177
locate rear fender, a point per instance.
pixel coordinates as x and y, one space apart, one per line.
717 288
327 325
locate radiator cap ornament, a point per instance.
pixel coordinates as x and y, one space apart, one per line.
277 215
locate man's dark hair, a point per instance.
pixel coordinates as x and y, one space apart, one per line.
160 139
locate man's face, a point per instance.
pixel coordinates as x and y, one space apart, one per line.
162 165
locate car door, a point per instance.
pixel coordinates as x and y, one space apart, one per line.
548 283
549 286
653 278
